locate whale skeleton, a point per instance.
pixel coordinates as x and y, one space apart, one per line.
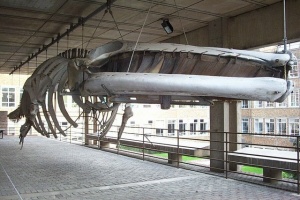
165 74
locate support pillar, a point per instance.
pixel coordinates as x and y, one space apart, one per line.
95 131
219 123
269 173
104 144
86 128
234 127
218 33
174 158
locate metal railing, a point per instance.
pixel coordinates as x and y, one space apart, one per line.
196 151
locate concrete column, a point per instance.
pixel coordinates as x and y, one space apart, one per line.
173 158
104 144
234 127
219 123
218 33
86 128
95 142
95 120
3 120
271 173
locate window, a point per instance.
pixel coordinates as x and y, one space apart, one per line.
270 104
159 132
294 73
282 105
245 125
182 127
171 127
69 101
64 125
294 100
269 126
258 104
159 124
193 127
73 103
21 92
258 126
294 125
245 104
11 131
281 126
8 97
202 125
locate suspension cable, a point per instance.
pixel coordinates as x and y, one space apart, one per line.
96 29
139 37
110 12
186 40
82 32
57 47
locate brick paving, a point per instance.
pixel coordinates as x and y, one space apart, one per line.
49 169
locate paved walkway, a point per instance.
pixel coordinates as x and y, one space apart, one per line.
49 169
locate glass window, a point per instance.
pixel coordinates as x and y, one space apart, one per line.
203 125
171 127
21 92
193 127
159 124
159 132
281 126
270 104
245 125
294 72
294 98
12 130
258 104
245 104
8 97
182 127
269 126
258 126
282 105
294 124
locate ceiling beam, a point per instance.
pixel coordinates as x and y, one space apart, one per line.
81 21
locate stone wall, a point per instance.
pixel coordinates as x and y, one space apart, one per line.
269 140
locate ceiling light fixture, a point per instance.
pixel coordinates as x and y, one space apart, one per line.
167 26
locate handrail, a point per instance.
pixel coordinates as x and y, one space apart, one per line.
183 145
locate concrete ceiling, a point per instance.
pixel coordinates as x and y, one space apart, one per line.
27 25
